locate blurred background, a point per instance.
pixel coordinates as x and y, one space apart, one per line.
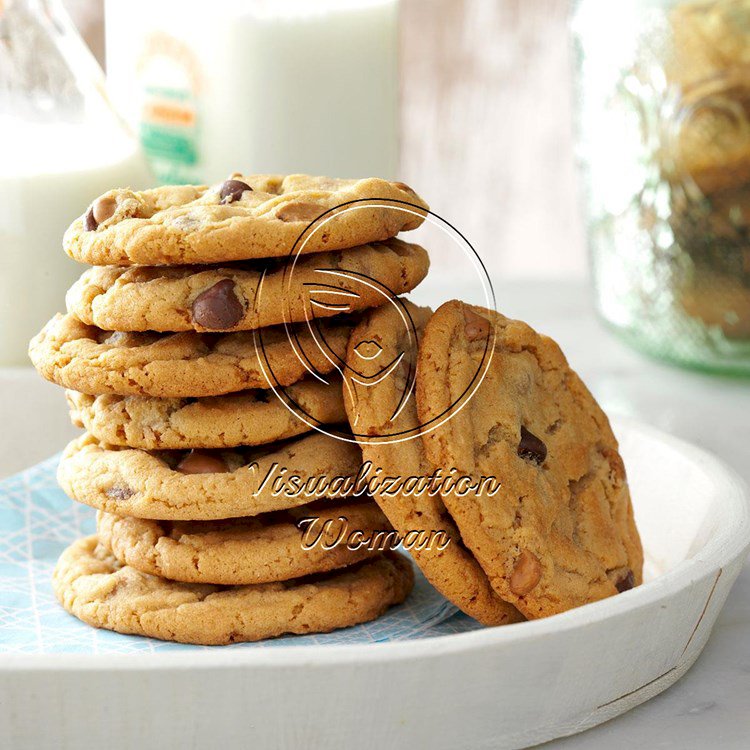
485 124
566 139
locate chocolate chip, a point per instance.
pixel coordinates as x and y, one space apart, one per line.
201 463
101 209
232 191
89 222
476 327
531 447
104 208
626 582
218 308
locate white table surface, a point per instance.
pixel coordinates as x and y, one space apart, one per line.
710 706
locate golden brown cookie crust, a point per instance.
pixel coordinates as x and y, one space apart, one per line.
253 417
143 298
264 549
91 584
181 365
452 570
560 532
178 225
127 481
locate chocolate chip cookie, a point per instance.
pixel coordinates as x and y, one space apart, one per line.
271 547
92 585
245 296
245 217
181 365
206 485
383 415
254 417
560 531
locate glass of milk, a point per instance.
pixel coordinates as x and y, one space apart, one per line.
270 86
61 145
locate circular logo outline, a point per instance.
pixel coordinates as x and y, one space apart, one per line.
339 364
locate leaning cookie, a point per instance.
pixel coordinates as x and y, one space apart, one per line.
271 547
246 296
559 530
93 586
198 485
383 416
181 365
245 217
254 417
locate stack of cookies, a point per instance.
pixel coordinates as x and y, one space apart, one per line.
202 301
218 327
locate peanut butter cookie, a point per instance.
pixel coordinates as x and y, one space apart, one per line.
206 485
559 532
245 296
253 417
271 547
180 365
94 587
245 217
383 415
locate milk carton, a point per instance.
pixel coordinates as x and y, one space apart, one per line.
277 86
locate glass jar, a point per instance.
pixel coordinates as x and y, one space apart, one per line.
663 142
62 145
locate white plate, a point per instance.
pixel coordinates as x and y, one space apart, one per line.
506 687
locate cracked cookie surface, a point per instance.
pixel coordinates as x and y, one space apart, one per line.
93 586
253 417
180 365
184 224
372 403
560 531
245 296
206 485
263 549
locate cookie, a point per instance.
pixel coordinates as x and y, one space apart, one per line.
94 587
372 403
721 220
705 59
560 531
247 295
253 417
264 549
205 485
718 300
708 39
708 145
180 365
245 217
